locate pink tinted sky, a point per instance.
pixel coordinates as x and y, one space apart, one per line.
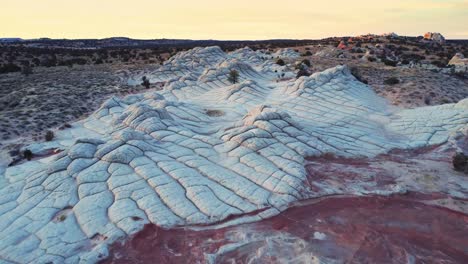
240 19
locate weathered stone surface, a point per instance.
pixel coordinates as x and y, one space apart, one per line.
159 158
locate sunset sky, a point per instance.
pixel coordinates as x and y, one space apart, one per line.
240 19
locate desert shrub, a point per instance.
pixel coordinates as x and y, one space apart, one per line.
357 50
391 81
145 82
460 162
36 61
233 76
27 154
26 70
49 136
371 59
307 53
306 62
280 62
440 64
390 62
427 100
9 67
302 72
355 72
64 126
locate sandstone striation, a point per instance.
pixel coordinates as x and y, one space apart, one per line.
159 158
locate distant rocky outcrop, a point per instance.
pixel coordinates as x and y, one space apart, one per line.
391 34
459 62
436 37
343 45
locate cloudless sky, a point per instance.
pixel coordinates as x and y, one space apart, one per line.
238 19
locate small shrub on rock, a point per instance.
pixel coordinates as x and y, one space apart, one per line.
27 154
390 62
306 62
49 136
302 72
233 76
460 162
280 62
392 81
145 82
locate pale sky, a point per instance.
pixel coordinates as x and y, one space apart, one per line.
238 19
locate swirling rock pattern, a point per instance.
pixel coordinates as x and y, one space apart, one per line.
159 158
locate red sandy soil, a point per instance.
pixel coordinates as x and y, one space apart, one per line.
396 229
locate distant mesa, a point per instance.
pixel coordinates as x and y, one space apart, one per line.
8 40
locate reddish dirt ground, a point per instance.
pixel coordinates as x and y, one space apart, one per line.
395 229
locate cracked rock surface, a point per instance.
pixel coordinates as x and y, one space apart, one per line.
159 158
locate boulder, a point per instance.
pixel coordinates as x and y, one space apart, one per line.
436 37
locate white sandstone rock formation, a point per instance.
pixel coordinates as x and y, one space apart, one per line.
459 62
157 157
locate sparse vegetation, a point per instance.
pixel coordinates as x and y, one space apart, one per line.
49 136
145 82
390 62
391 81
306 62
460 162
27 154
280 62
233 76
26 69
302 72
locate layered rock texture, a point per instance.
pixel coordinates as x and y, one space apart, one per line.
202 152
